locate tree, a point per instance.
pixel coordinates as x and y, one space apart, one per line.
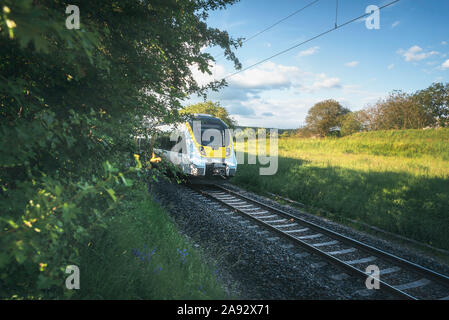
70 103
399 111
369 118
303 132
435 101
351 123
325 116
211 108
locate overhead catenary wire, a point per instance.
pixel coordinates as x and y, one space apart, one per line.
280 21
276 23
308 40
336 12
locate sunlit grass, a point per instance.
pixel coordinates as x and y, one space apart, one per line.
141 255
396 180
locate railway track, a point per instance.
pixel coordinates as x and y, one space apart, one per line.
400 277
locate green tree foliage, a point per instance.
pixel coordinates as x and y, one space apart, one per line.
304 132
70 103
351 123
399 111
424 108
324 116
211 108
435 101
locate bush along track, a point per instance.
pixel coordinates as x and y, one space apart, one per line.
71 103
141 255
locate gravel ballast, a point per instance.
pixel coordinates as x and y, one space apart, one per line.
254 263
393 247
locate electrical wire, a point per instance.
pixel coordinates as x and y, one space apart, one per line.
275 24
280 21
308 40
336 13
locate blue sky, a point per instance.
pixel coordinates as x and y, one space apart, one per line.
353 65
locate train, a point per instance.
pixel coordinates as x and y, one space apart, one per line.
201 147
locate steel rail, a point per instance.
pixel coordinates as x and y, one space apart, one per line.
340 263
433 275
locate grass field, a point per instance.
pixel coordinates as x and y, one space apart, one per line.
394 180
141 255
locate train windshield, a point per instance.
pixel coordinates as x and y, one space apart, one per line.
210 132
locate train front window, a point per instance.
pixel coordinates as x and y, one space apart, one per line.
212 137
211 133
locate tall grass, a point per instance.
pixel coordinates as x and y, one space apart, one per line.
142 256
395 180
412 144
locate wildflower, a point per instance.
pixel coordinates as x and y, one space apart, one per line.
135 252
157 270
183 254
11 24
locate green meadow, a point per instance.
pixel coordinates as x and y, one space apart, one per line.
142 255
394 180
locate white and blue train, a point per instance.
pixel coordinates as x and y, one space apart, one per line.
202 147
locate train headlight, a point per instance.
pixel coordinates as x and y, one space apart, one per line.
228 152
193 170
202 151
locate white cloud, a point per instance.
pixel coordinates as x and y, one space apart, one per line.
391 66
274 112
272 76
326 83
218 72
416 53
352 64
270 94
308 52
395 24
445 64
443 43
268 75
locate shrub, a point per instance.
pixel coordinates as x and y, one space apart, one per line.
70 103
